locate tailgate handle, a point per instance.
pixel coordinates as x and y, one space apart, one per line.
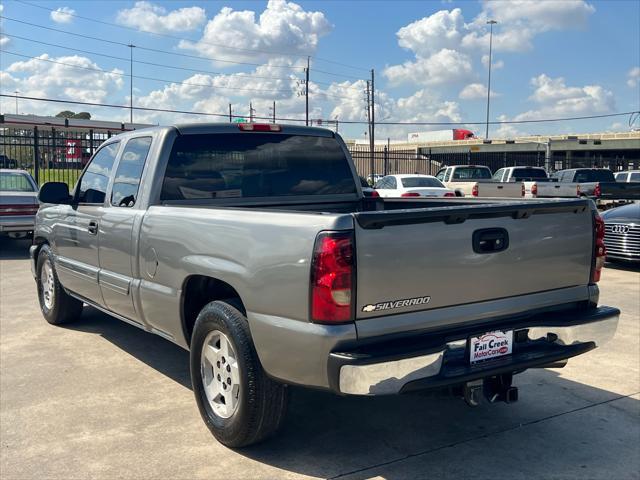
490 240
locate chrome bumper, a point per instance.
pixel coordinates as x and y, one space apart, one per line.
390 377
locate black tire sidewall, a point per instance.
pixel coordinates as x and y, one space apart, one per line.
225 318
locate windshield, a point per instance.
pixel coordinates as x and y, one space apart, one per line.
468 173
242 165
412 182
15 182
599 175
520 173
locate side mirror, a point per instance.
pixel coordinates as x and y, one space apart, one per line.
54 192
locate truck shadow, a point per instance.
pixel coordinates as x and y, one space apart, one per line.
559 428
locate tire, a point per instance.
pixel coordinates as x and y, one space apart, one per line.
56 304
251 407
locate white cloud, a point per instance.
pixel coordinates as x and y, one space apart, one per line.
444 67
555 99
148 17
4 41
494 65
475 91
63 15
431 34
633 77
40 78
281 27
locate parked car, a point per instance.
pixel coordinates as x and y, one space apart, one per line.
7 162
367 190
627 176
412 185
600 185
476 181
284 273
537 183
622 232
18 203
373 179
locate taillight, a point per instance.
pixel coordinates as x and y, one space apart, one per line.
15 210
332 278
259 127
474 190
534 190
578 192
522 190
600 251
449 194
375 194
410 194
597 191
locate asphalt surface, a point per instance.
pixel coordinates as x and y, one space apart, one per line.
102 399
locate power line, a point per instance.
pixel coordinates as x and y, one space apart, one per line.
163 65
146 78
357 122
175 37
167 52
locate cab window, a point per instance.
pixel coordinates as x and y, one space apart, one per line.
93 184
498 175
127 181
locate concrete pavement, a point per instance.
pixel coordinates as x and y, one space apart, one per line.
102 399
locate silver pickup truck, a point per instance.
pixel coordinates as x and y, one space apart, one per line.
252 246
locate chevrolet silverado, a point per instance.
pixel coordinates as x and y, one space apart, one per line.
253 247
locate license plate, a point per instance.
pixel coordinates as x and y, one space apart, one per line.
490 345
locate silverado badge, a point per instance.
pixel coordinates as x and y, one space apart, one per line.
407 302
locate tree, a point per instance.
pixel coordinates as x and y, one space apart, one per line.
83 115
66 114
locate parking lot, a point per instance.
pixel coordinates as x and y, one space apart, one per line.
102 399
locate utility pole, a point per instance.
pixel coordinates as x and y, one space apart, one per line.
131 47
306 92
372 137
16 92
491 23
251 110
371 161
547 156
230 115
273 111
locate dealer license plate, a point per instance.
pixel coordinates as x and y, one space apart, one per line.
490 345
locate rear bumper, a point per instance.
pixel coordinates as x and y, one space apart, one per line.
439 360
18 223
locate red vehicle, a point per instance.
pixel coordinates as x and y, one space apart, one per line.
441 135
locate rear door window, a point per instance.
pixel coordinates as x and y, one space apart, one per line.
15 182
127 181
248 165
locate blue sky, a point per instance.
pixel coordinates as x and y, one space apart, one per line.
551 59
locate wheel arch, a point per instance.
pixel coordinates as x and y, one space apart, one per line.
197 291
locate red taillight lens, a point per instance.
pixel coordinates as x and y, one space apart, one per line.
16 210
449 194
375 194
597 191
410 194
534 190
600 251
578 190
332 278
260 127
474 191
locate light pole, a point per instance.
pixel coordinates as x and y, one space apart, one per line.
491 23
131 47
16 92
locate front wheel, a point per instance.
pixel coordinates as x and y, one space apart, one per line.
237 401
57 306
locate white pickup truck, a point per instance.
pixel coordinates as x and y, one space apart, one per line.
476 181
537 183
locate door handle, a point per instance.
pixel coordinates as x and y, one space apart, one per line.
490 240
93 227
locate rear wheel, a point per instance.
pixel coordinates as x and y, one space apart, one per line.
57 306
237 401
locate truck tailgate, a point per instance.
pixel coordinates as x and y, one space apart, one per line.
500 189
423 259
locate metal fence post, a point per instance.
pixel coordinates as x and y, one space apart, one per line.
36 156
386 161
91 142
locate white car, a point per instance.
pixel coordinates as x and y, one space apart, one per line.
412 186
